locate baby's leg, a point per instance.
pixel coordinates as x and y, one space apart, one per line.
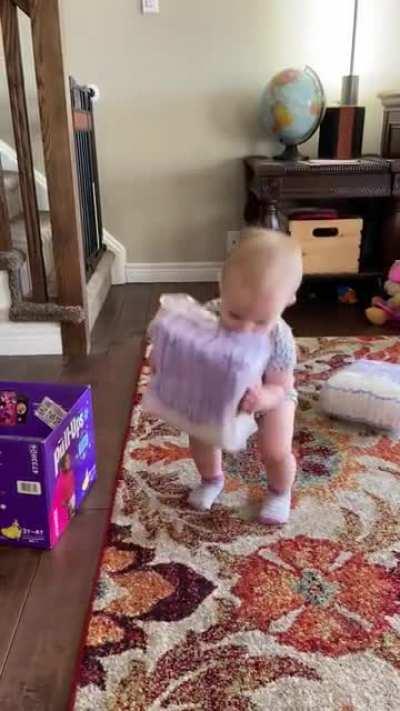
276 436
208 461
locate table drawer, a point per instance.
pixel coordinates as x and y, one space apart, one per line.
329 246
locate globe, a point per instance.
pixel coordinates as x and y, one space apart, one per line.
292 108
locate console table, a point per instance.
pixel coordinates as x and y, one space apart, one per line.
369 187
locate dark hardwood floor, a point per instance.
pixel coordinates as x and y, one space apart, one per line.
44 596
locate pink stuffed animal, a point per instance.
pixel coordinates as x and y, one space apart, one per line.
394 274
383 310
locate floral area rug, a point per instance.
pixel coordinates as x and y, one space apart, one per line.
215 612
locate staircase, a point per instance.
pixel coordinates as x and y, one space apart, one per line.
36 335
55 264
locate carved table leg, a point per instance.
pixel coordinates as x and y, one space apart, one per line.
390 234
271 217
262 206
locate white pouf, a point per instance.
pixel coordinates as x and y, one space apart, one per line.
367 391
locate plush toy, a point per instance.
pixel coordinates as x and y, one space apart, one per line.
383 310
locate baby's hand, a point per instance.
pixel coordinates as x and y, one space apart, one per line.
261 398
253 400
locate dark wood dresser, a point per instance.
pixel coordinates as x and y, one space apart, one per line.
368 187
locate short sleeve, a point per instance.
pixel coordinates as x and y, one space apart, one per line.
283 348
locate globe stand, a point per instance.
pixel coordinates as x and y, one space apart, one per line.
291 153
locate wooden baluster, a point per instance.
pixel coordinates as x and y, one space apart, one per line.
15 76
5 231
56 122
24 5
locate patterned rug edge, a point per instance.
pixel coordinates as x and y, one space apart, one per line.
118 475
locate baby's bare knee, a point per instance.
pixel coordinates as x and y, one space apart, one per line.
277 458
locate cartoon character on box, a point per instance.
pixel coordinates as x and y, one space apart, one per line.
383 310
64 500
8 404
13 532
22 409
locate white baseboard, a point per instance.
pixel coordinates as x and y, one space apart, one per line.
29 338
98 287
10 162
118 271
149 273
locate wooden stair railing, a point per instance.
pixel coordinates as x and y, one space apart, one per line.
24 5
58 147
19 115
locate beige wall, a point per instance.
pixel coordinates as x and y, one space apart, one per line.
180 95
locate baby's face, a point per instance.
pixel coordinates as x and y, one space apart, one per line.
248 311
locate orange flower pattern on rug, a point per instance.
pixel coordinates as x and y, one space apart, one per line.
213 611
340 609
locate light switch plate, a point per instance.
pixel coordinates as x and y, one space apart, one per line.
150 7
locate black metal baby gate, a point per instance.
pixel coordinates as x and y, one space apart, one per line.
88 174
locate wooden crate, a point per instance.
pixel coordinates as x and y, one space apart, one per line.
329 246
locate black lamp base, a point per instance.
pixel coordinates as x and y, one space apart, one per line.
291 153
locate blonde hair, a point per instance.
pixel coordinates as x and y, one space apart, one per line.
262 259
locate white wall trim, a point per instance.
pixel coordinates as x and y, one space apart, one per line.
22 338
10 162
30 338
148 273
5 297
98 287
118 271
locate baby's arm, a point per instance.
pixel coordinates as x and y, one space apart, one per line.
278 381
278 385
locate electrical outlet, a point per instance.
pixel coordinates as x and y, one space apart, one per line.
232 240
150 7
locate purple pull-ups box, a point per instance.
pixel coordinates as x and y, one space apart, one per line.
47 460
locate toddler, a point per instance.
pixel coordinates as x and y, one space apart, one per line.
259 280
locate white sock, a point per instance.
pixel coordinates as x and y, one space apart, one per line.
203 497
275 510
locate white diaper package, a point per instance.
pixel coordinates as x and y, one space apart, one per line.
367 391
